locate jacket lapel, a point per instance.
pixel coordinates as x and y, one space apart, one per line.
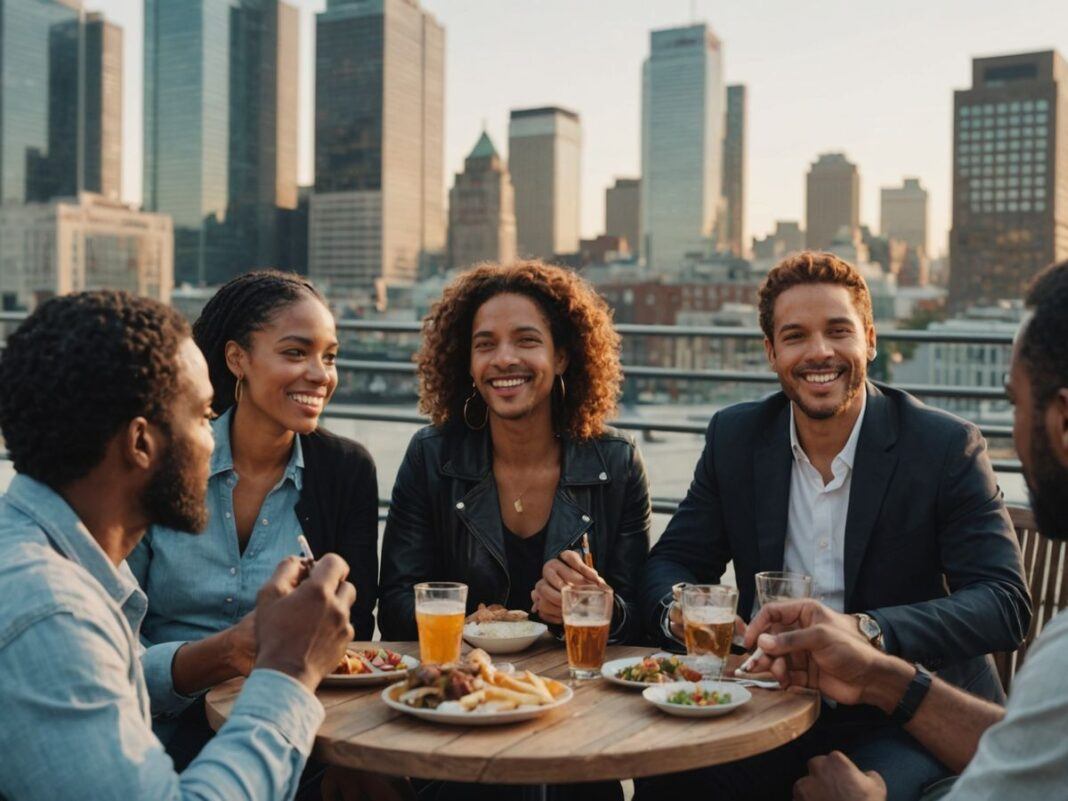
468 458
772 464
873 468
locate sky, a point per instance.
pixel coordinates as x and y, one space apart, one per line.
872 80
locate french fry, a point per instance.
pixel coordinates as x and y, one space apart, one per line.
539 687
504 694
471 700
556 689
515 684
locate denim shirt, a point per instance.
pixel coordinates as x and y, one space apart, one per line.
75 700
200 584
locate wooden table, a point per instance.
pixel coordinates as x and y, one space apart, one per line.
605 732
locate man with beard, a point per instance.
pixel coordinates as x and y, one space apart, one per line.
1018 752
104 406
890 506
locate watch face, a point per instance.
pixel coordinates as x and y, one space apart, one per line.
868 627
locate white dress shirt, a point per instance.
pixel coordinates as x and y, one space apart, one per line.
815 526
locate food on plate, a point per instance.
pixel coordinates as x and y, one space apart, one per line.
475 685
699 696
495 613
500 629
369 660
658 670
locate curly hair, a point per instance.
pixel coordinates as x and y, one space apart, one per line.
580 323
78 369
242 305
811 267
1044 347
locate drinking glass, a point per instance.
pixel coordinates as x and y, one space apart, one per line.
782 585
439 615
708 612
587 618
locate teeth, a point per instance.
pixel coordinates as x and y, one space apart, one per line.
307 400
821 378
507 382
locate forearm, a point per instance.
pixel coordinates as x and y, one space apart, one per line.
202 664
948 722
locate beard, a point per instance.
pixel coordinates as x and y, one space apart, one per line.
173 497
1047 486
856 384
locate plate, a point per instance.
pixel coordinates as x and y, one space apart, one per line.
657 696
474 718
610 669
375 677
503 645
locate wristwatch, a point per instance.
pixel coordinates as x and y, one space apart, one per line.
914 695
871 629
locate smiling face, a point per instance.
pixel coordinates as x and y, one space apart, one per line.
514 361
290 368
821 348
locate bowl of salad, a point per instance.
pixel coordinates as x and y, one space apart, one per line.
697 699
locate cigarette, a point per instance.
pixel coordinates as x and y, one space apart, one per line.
305 548
587 554
748 663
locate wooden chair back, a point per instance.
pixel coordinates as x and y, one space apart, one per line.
1044 563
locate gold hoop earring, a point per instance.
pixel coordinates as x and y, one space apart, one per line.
485 419
563 388
238 390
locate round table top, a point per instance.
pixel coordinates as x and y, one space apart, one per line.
605 732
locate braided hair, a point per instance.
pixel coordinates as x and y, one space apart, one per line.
244 304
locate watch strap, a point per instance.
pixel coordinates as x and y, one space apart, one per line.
914 695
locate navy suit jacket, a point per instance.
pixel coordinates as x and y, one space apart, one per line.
930 551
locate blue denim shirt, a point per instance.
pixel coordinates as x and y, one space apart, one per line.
198 585
73 694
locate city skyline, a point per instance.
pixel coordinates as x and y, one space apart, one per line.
890 111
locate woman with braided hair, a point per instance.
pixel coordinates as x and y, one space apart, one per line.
271 347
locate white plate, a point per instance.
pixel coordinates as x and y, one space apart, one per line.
610 669
474 718
658 693
503 645
375 677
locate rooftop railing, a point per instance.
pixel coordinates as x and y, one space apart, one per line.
667 505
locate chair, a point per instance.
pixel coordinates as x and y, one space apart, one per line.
1044 563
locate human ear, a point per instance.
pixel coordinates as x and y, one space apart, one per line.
1057 425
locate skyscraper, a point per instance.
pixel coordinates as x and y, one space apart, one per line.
378 206
623 211
482 209
1010 177
832 200
734 170
40 46
903 213
683 111
103 107
220 131
545 159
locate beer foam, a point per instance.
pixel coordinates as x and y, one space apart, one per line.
440 607
586 623
709 615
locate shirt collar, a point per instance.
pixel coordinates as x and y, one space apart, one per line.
69 536
849 450
222 457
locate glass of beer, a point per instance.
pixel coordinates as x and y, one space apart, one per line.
439 614
587 618
708 612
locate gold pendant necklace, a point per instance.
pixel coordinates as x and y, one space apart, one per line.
518 504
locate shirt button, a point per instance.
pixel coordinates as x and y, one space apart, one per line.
229 600
264 521
823 544
227 515
460 505
603 476
233 571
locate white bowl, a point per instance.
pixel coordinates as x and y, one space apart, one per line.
504 645
657 696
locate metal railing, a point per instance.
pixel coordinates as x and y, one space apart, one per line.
667 505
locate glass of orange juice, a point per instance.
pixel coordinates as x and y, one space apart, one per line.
439 615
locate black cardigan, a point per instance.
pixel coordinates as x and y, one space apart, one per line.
338 510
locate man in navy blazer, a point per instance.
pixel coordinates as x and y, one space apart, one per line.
891 506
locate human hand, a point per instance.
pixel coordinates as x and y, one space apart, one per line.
835 778
568 569
302 624
824 651
241 644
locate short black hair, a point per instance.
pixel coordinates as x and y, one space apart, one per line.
1044 347
242 305
79 368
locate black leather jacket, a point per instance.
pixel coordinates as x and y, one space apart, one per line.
444 523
